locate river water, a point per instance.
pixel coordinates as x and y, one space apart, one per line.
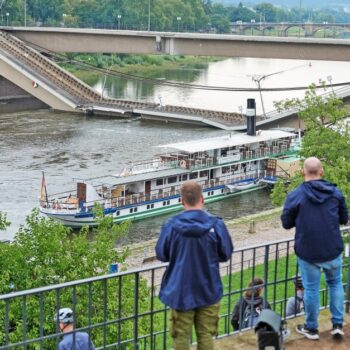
68 146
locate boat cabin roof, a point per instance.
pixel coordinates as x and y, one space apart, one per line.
227 141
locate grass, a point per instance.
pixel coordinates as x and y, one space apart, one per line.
143 65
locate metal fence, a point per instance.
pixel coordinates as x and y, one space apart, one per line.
122 310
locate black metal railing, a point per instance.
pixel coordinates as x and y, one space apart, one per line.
122 310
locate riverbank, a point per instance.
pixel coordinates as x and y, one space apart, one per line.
246 231
147 66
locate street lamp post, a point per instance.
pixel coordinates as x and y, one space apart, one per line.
104 82
119 18
330 78
241 110
252 21
257 79
299 17
149 15
7 19
324 28
25 13
178 23
64 15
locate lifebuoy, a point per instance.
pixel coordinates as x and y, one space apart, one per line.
183 164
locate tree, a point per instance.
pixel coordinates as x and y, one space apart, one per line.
242 13
45 252
45 10
267 12
327 137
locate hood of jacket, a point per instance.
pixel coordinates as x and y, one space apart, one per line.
194 223
256 301
318 191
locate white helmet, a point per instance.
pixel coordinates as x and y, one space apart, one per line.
65 315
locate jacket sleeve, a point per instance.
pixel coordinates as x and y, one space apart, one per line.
343 211
291 307
237 310
289 213
225 248
163 246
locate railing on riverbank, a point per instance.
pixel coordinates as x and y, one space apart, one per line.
122 311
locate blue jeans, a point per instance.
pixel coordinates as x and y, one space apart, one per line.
311 275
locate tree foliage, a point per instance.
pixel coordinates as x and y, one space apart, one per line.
327 137
44 252
133 14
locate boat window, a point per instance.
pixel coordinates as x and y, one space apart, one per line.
184 177
193 175
148 206
152 206
135 210
131 210
180 200
222 190
212 192
118 213
226 169
203 173
164 204
172 179
167 202
159 182
208 194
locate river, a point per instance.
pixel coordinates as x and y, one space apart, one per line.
68 146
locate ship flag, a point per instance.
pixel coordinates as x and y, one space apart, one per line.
43 192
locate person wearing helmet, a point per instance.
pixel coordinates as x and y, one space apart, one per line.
65 319
295 304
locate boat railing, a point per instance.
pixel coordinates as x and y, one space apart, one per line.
188 163
153 166
263 152
167 192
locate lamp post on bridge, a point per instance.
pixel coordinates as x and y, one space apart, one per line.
7 19
324 29
252 21
149 16
119 18
330 78
25 13
178 23
64 15
300 17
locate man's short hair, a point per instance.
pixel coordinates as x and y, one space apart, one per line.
312 166
191 192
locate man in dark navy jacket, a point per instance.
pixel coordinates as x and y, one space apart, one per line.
316 209
194 243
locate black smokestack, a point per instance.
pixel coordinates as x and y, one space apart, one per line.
251 113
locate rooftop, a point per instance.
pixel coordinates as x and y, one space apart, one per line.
230 140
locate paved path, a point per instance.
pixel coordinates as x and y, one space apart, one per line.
247 340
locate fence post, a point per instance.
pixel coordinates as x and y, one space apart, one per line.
266 273
136 311
347 257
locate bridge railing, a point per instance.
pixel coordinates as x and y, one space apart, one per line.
123 311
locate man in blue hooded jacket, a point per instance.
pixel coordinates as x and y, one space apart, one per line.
316 209
194 243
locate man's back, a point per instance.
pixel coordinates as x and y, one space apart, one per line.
82 342
316 208
193 242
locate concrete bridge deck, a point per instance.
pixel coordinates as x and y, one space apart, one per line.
45 80
144 42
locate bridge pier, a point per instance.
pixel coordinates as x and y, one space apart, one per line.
14 99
